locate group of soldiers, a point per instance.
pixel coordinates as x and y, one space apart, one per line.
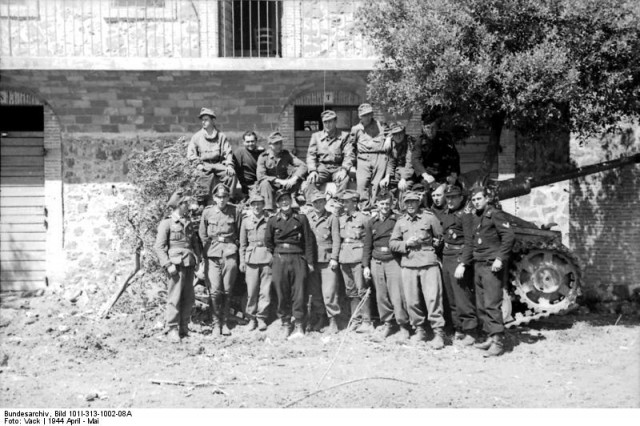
408 229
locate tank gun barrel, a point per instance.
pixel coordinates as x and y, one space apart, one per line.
519 186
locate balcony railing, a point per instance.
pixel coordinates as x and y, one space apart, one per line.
181 29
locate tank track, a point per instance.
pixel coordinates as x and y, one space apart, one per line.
535 311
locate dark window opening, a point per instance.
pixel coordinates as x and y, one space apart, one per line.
256 28
309 115
22 118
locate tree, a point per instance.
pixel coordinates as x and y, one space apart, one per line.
526 64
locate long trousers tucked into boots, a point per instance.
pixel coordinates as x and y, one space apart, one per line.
289 274
428 279
459 294
259 281
370 171
489 297
221 273
180 298
387 277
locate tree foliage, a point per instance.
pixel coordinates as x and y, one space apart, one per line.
520 63
154 174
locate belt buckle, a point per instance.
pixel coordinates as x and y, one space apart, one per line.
221 239
384 249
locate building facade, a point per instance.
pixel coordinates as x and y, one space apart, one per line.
82 83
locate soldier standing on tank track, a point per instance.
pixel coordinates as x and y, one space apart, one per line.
488 244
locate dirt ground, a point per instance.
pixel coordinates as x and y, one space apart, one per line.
54 355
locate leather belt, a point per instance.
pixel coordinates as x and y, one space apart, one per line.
454 246
221 239
256 243
383 249
351 240
372 152
287 245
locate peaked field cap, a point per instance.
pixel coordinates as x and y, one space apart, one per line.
364 109
316 195
384 195
452 190
176 199
207 111
418 188
412 196
350 195
328 115
221 190
282 193
275 137
396 128
256 198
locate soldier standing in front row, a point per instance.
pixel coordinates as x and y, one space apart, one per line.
488 244
178 250
255 263
381 265
210 152
218 231
458 292
288 237
352 224
414 237
326 229
330 156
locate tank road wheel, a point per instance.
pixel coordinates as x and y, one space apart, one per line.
547 280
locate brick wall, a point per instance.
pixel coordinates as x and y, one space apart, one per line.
605 224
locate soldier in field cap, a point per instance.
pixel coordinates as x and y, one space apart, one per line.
210 153
219 232
368 140
278 169
399 168
255 262
330 156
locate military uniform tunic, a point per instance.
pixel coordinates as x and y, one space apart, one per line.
272 167
328 154
177 243
489 237
438 157
219 234
246 165
214 153
385 269
326 231
371 157
458 294
419 264
256 258
351 251
289 239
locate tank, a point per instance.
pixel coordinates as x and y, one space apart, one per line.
544 276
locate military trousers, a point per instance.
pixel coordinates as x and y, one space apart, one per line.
459 294
353 279
268 189
221 273
489 294
259 279
328 173
289 275
425 281
370 171
180 298
207 181
323 288
387 278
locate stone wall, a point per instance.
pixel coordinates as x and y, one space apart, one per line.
605 224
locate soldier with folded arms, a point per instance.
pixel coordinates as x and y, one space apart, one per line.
414 237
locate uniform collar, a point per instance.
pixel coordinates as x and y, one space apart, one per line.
212 136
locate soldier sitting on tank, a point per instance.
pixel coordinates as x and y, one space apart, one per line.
399 173
211 154
489 241
330 156
278 169
178 250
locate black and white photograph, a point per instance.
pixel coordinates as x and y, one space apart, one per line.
386 205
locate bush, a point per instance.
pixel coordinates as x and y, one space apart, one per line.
155 172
